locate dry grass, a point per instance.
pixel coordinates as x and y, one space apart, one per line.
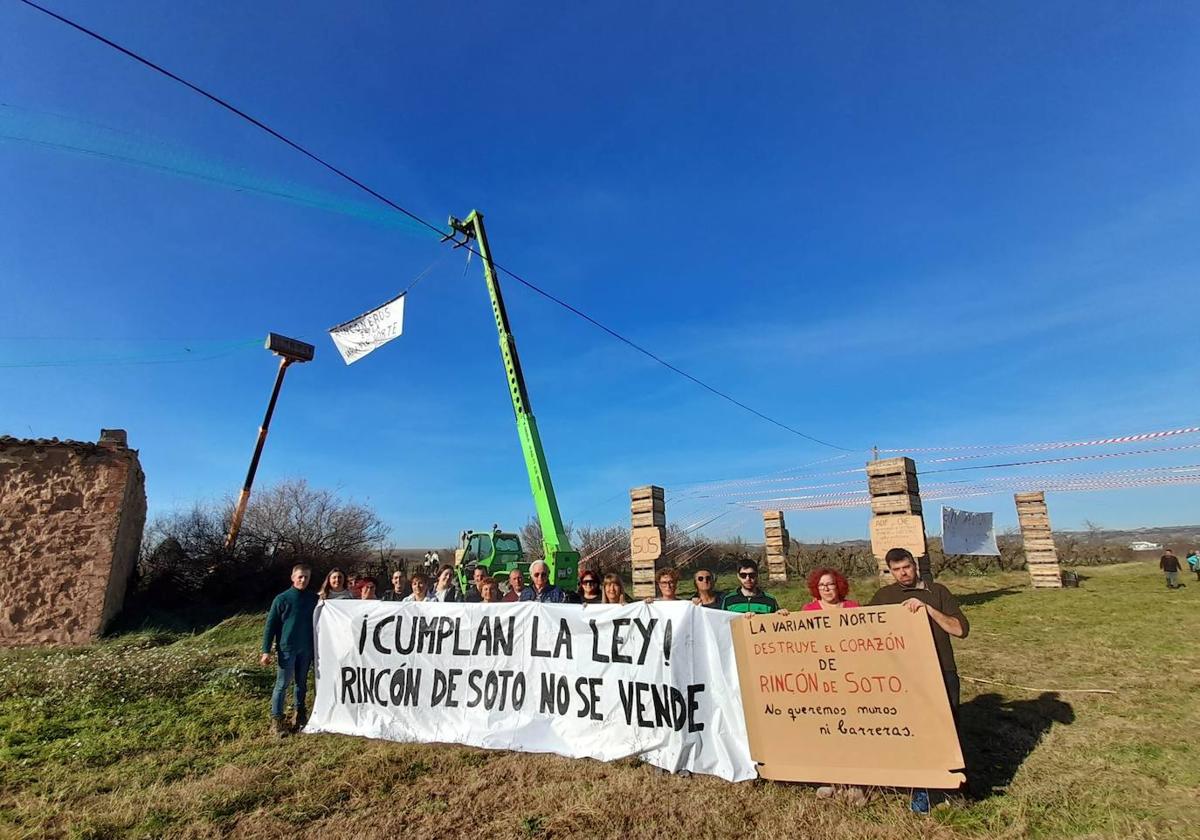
156 735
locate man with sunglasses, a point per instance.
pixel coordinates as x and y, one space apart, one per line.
748 598
543 590
589 587
706 590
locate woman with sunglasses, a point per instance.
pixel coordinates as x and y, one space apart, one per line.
614 590
829 589
706 590
589 587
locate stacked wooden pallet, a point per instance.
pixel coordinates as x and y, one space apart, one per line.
1041 556
777 541
648 516
896 519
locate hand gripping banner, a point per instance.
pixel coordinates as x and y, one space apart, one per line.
658 681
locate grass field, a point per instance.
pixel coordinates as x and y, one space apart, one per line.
162 734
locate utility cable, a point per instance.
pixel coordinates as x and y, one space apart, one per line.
441 232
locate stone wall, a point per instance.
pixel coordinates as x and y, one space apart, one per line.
71 519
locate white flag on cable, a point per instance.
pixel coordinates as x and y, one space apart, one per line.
359 336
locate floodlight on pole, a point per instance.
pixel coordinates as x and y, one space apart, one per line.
289 350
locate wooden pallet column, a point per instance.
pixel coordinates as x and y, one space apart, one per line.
777 543
896 519
648 515
1041 557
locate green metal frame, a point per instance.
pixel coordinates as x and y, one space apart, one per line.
563 561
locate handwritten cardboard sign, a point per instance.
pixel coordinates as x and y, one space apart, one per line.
850 696
898 530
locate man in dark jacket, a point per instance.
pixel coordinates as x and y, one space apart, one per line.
1169 564
543 590
290 629
946 619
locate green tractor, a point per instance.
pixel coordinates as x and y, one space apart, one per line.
498 552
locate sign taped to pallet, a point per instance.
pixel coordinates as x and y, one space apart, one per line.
658 681
369 331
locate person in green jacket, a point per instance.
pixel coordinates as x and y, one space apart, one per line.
290 629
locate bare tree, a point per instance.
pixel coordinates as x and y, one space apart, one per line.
304 524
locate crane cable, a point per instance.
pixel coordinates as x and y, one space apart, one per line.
441 232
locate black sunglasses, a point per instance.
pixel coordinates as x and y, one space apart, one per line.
704 577
747 574
589 581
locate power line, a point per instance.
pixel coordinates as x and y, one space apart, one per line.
432 227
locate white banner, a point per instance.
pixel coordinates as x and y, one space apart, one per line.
964 532
654 680
358 337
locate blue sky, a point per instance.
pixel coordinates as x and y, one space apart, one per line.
914 226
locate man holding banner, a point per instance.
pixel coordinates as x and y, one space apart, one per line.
946 618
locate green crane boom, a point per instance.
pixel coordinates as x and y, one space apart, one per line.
560 557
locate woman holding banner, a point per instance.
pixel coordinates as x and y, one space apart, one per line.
335 587
829 589
444 589
420 588
614 590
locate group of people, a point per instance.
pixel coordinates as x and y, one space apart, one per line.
289 622
1169 564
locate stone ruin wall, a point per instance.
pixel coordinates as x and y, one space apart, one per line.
71 519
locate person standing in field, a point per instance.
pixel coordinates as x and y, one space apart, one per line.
706 590
748 598
1169 564
1193 561
289 629
829 589
946 619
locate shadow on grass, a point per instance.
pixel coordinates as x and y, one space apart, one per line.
139 616
999 734
974 599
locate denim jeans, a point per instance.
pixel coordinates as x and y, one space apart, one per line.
292 668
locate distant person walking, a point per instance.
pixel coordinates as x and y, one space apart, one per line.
289 629
1169 563
1193 561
